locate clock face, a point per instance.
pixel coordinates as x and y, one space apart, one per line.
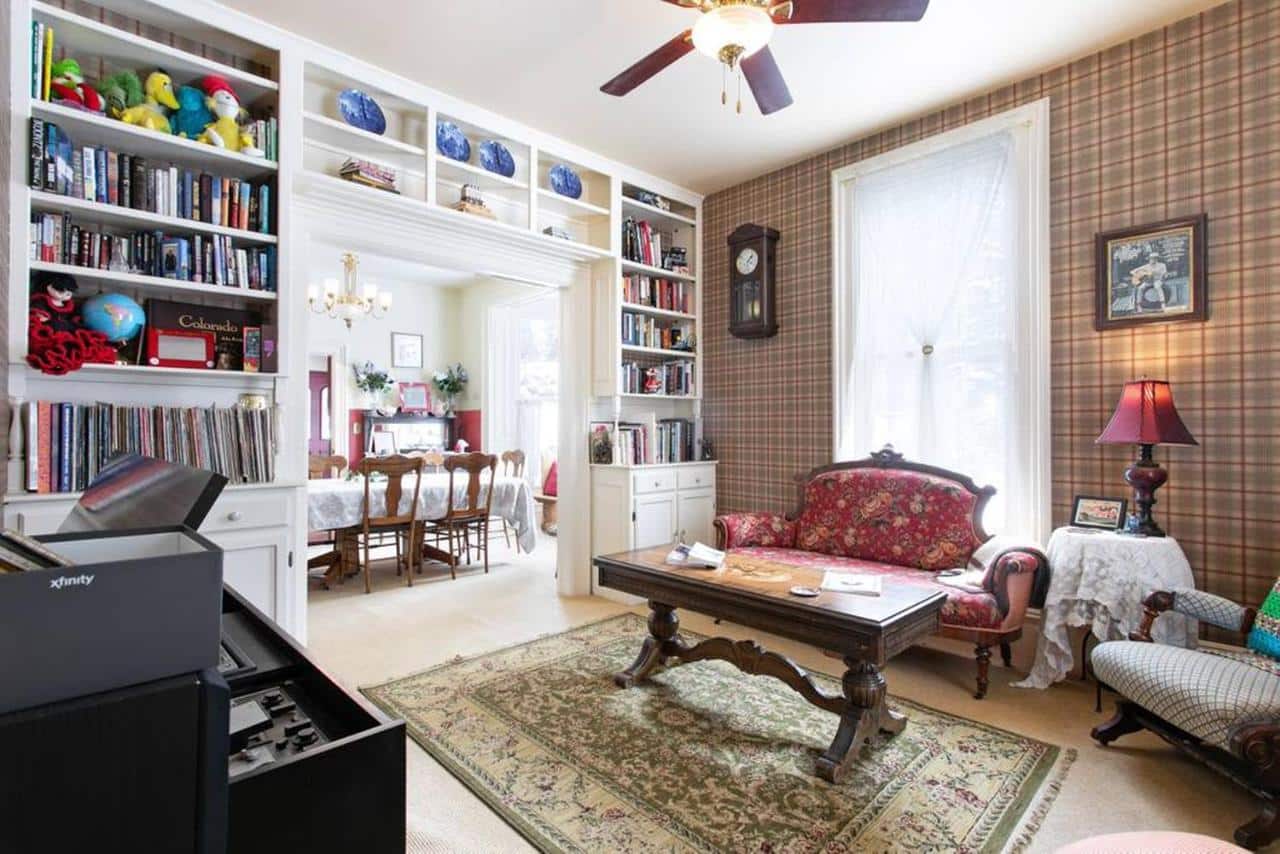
747 261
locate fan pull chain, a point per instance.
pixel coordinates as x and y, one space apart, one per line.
724 97
739 90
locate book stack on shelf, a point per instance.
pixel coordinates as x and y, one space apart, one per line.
67 443
659 441
666 294
369 174
641 330
643 243
672 378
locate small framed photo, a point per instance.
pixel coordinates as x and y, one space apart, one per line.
406 350
415 397
1091 511
1152 273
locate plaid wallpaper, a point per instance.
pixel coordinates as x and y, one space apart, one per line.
1179 121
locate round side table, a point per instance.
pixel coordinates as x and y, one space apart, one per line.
1099 580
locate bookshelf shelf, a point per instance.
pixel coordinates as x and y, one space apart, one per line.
154 284
648 211
38 497
467 173
567 207
139 373
98 212
658 351
356 142
657 312
640 394
136 141
88 38
657 272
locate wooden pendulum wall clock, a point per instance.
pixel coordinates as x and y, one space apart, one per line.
752 312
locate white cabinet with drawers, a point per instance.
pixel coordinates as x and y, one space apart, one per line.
253 525
634 507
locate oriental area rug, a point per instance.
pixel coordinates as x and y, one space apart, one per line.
702 757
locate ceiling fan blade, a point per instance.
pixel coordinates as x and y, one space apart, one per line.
650 65
841 11
765 80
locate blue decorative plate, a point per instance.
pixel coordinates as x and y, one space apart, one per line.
360 111
565 181
495 157
452 142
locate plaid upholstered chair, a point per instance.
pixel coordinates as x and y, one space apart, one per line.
1221 706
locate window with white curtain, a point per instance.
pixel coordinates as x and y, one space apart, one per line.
522 380
941 310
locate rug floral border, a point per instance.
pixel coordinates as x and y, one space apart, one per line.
1014 830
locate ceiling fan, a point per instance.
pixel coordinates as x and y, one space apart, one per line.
737 33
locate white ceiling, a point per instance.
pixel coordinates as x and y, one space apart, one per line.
542 62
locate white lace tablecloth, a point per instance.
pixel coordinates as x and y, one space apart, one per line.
338 503
1099 580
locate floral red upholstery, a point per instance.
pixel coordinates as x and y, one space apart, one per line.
891 516
963 608
756 529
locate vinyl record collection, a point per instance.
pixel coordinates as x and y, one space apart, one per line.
67 443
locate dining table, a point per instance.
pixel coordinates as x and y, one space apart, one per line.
337 504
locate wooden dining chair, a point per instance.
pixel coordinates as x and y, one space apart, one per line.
321 467
512 466
461 519
392 525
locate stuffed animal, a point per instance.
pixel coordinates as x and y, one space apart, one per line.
121 91
68 87
192 116
153 112
56 342
225 131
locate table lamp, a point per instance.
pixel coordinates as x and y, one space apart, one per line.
1146 416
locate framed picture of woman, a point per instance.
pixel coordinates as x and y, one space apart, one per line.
1152 273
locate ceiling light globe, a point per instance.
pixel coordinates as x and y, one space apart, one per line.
749 27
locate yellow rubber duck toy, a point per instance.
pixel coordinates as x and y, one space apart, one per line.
225 131
153 112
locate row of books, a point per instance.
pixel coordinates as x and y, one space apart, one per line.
68 443
641 330
672 378
675 441
623 444
96 174
669 294
203 259
641 242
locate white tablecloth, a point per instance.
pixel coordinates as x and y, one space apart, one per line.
1100 579
338 503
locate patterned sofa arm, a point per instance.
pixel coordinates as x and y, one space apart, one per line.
1197 604
739 530
1013 576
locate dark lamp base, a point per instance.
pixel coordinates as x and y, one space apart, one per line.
1146 476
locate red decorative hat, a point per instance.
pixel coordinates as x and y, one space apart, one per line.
212 84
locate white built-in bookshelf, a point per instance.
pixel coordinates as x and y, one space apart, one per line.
254 519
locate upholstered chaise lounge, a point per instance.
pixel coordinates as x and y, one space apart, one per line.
908 522
1220 705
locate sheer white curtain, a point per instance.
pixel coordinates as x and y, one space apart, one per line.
522 377
939 323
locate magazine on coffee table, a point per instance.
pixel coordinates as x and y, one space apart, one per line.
696 556
844 582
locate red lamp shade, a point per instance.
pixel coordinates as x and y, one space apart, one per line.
1146 415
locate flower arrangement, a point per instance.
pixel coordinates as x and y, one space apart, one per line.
370 379
450 382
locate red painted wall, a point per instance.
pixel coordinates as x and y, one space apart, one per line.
467 427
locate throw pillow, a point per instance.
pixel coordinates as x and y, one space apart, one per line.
1264 637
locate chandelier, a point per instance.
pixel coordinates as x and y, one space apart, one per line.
350 301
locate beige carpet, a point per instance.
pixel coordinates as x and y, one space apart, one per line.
1138 783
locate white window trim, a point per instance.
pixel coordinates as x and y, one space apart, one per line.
1035 116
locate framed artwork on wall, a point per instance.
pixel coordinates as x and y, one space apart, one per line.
406 350
1152 273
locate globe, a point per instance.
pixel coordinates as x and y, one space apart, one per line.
114 315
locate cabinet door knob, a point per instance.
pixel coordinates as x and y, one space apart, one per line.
234 516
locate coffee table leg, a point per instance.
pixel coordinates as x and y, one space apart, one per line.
663 626
864 715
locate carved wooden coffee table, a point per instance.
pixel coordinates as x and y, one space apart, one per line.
866 631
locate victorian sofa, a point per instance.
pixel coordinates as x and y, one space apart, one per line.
1221 705
908 522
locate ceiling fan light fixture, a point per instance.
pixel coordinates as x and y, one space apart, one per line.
735 31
